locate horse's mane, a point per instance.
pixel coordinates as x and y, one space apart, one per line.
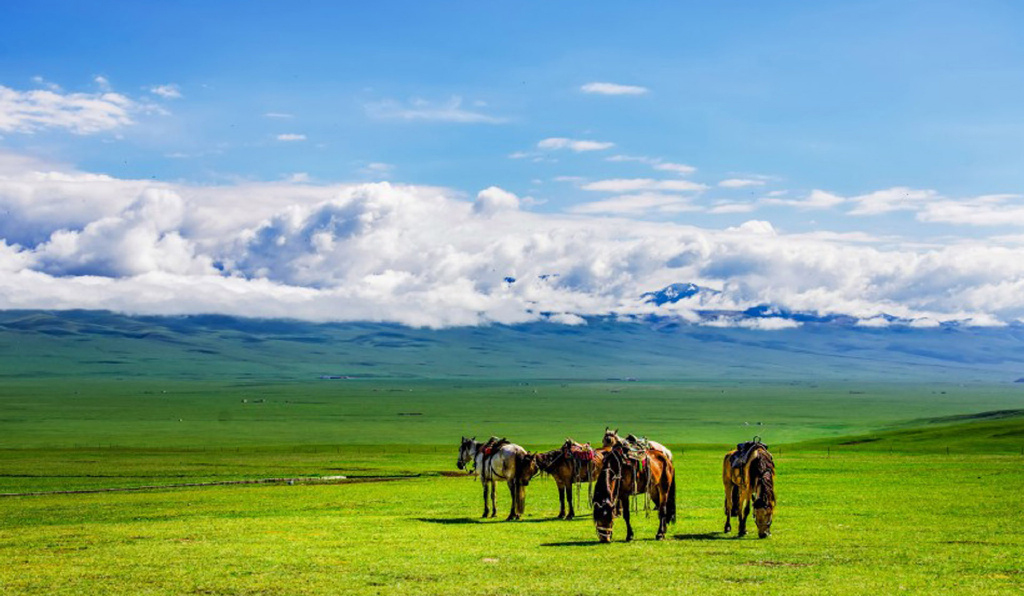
762 475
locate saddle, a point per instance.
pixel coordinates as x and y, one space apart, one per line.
636 447
582 453
743 451
493 445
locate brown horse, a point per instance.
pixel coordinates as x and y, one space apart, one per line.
748 473
626 472
571 464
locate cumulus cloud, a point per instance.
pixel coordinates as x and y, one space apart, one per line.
493 199
427 256
613 89
421 109
576 145
36 110
291 137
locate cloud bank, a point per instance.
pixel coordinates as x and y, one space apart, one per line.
428 257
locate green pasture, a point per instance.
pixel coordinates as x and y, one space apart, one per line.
848 523
883 488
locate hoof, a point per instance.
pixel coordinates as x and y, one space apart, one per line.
560 516
659 537
570 517
741 534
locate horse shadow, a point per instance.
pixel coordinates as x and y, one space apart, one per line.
573 543
702 536
449 520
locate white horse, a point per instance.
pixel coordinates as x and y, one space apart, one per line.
612 438
501 464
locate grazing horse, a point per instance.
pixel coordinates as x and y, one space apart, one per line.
748 473
626 472
571 464
496 460
612 438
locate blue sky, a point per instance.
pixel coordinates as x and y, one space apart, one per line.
899 120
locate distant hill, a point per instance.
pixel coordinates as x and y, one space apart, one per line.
74 343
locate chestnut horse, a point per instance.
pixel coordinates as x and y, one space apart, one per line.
626 472
499 463
748 474
571 464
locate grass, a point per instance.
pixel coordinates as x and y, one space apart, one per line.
848 524
891 479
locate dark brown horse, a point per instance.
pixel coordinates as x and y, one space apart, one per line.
571 464
626 472
748 474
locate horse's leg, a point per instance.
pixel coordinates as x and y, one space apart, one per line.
568 494
625 517
520 500
494 506
561 499
486 512
660 498
745 501
512 507
731 506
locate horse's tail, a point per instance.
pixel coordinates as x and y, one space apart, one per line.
670 509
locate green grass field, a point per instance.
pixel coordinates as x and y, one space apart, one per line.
900 459
869 500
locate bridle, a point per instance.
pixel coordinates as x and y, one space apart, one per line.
467 454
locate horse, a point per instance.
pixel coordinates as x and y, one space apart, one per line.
571 464
496 460
750 477
612 438
626 472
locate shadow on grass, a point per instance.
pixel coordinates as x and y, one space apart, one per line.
474 520
704 536
450 520
593 542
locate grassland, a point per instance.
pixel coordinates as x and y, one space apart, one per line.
898 485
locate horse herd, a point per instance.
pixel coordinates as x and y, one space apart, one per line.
621 468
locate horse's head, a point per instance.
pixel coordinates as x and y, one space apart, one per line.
606 493
611 438
467 451
764 510
526 467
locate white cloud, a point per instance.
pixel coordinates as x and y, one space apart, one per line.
35 110
638 204
420 109
493 199
613 89
656 163
573 144
291 137
425 256
166 91
377 169
726 208
740 183
278 115
637 184
899 198
816 199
